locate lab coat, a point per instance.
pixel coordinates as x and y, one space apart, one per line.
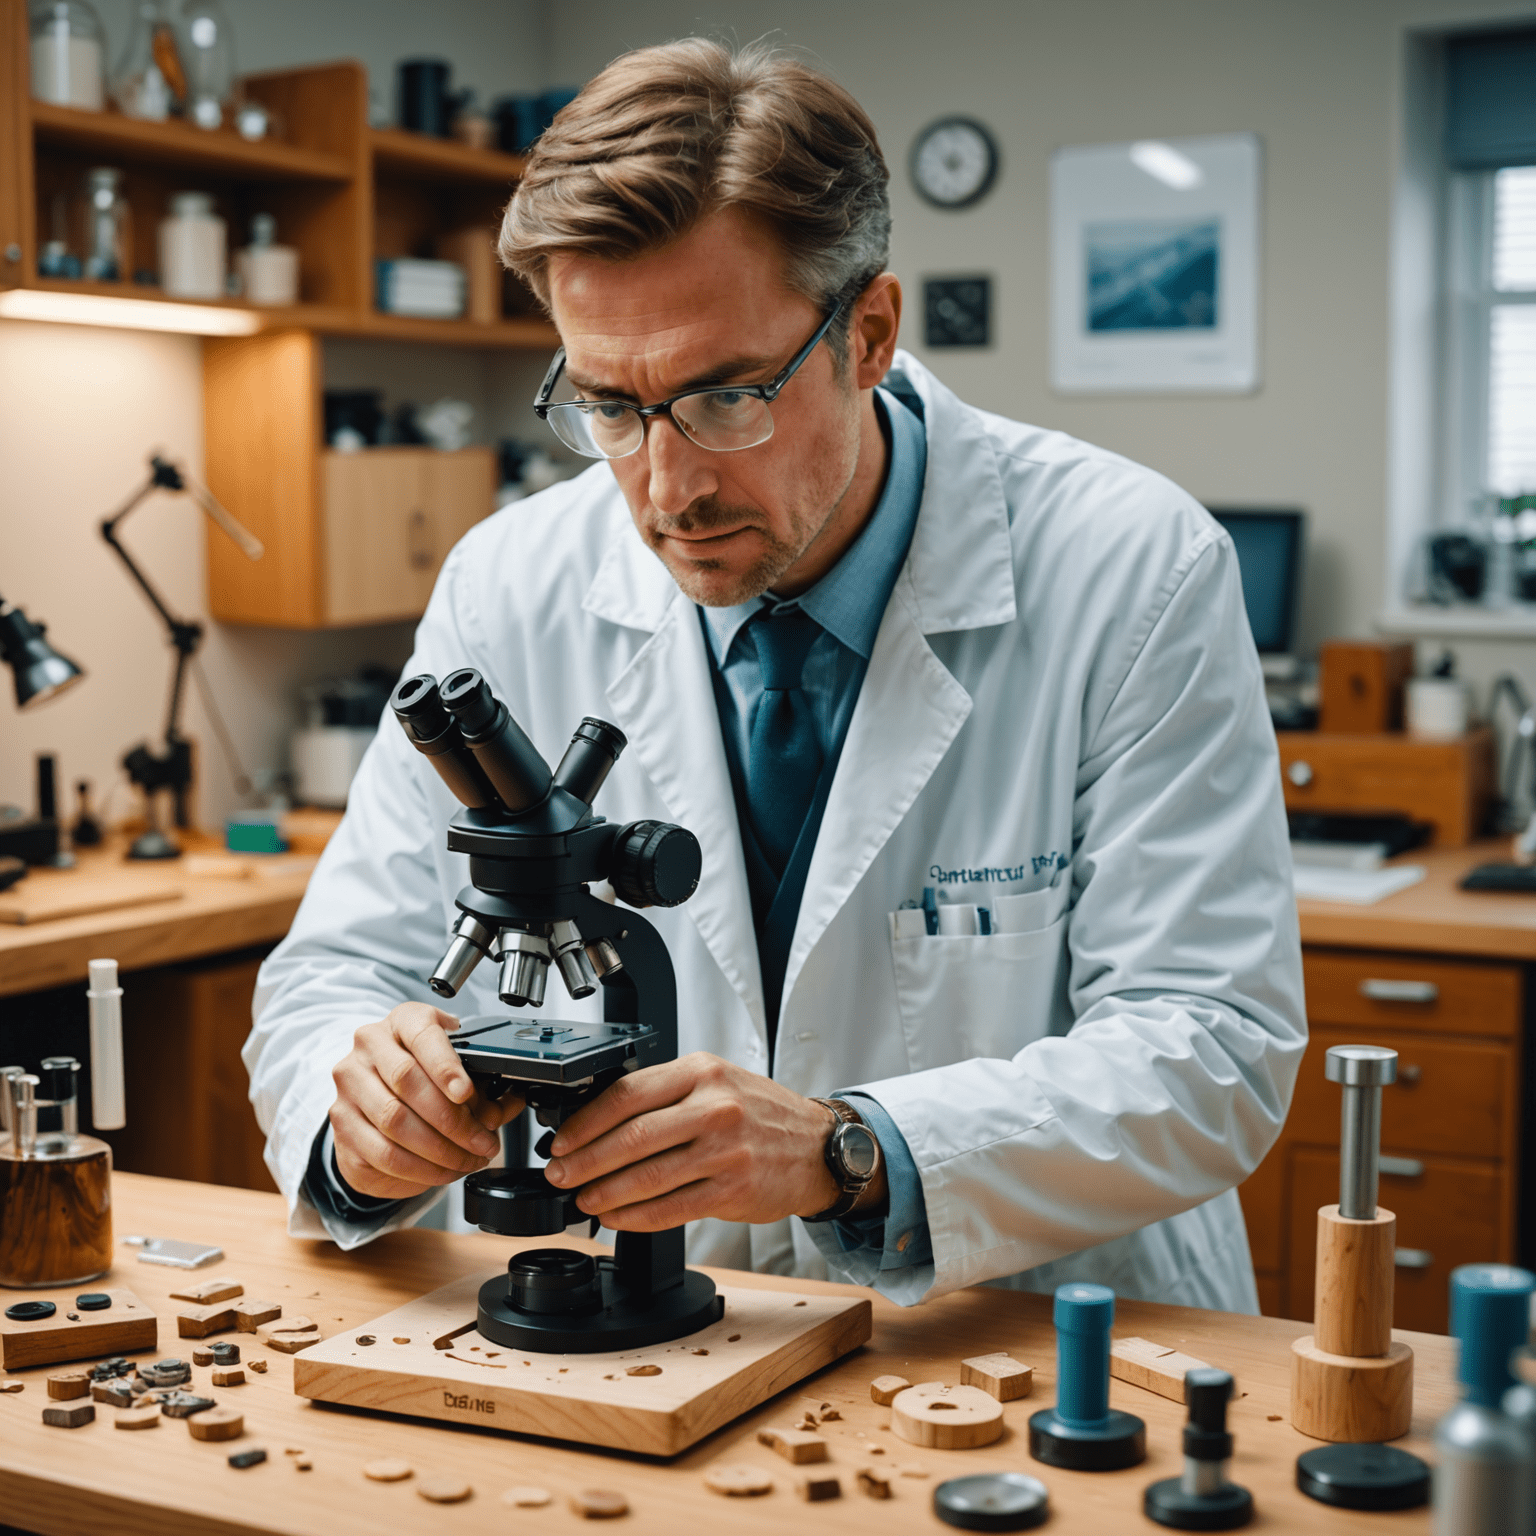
1063 720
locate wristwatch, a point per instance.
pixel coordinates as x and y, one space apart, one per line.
852 1153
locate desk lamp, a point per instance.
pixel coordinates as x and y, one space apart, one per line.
172 768
40 672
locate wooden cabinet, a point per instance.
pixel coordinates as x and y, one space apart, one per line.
351 538
1450 1125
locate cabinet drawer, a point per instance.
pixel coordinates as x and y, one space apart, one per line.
1456 1097
1407 992
1448 1215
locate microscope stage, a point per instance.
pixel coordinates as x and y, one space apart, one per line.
541 1050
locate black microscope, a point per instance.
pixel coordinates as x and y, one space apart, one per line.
534 846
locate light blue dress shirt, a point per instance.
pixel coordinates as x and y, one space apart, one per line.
849 603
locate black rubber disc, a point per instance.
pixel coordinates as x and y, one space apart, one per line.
1119 1441
620 1324
93 1301
1225 1510
1363 1477
992 1501
30 1311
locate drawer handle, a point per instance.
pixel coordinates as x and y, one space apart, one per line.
1381 990
419 540
1412 1258
1402 1167
1409 1075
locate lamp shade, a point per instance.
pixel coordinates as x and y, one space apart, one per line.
39 669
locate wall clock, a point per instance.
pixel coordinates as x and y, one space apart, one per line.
954 162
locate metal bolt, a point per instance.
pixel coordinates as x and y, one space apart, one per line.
1363 1071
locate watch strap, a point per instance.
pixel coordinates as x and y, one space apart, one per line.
851 1187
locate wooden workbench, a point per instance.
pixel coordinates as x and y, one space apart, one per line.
160 1483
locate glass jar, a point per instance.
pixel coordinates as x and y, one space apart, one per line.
208 52
149 81
68 46
106 244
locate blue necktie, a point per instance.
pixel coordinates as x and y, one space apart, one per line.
784 759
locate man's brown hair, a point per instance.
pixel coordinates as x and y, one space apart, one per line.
668 135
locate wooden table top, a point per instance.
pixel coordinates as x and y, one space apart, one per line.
199 911
162 1483
1434 915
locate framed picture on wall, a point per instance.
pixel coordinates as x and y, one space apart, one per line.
1155 266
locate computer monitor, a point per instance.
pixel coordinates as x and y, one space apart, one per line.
1269 553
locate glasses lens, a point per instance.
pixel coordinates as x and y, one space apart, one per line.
724 420
597 429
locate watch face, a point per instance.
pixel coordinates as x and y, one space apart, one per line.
954 162
857 1150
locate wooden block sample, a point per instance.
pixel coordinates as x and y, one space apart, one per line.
199 1322
206 1292
137 1418
1156 1367
63 1385
946 1418
69 1415
1360 1399
794 1445
1360 685
883 1389
999 1375
217 1424
289 1336
251 1315
874 1482
229 1376
764 1344
126 1325
738 1481
818 1487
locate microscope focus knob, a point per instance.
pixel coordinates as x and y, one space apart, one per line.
655 864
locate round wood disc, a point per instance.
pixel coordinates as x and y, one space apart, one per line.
387 1469
217 1424
444 1488
738 1481
599 1504
137 1418
527 1497
946 1418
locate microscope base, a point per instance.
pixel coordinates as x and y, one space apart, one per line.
427 1359
622 1324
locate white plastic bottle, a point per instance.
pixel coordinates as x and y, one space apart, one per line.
193 260
269 273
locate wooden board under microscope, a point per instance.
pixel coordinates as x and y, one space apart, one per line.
427 1359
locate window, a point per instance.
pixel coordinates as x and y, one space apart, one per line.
1510 301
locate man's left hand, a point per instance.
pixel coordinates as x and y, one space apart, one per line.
698 1137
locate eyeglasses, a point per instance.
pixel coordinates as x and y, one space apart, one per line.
721 420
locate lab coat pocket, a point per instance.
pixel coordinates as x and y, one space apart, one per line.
963 996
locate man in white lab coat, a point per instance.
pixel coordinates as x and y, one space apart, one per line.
992 973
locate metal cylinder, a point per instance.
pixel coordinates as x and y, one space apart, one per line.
589 759
571 956
1201 1479
511 762
419 708
60 1084
604 957
6 1074
524 968
472 942
24 1114
1362 1070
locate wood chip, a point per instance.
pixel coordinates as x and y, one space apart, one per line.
303 1464
259 1366
828 1413
599 1504
643 1370
203 1355
884 1388
527 1497
12 1384
999 1376
401 1341
387 1469
817 1487
444 1488
738 1481
70 1416
229 1376
289 1337
137 1418
115 1394
199 1322
910 1469
217 1424
250 1315
794 1445
205 1292
64 1385
876 1484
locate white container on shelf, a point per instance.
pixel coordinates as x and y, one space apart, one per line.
67 44
1437 707
193 257
269 273
325 760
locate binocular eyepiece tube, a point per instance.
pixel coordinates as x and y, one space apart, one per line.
428 726
510 761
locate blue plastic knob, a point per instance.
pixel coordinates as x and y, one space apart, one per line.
1491 1316
1083 1315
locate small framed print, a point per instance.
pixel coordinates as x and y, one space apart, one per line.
1155 266
957 311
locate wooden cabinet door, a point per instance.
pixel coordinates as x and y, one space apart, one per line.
391 516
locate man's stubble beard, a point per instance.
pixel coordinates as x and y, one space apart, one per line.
698 579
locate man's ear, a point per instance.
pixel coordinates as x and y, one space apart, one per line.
876 321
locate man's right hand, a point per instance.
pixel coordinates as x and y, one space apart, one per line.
407 1118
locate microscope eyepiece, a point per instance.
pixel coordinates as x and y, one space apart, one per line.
511 762
593 751
419 708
